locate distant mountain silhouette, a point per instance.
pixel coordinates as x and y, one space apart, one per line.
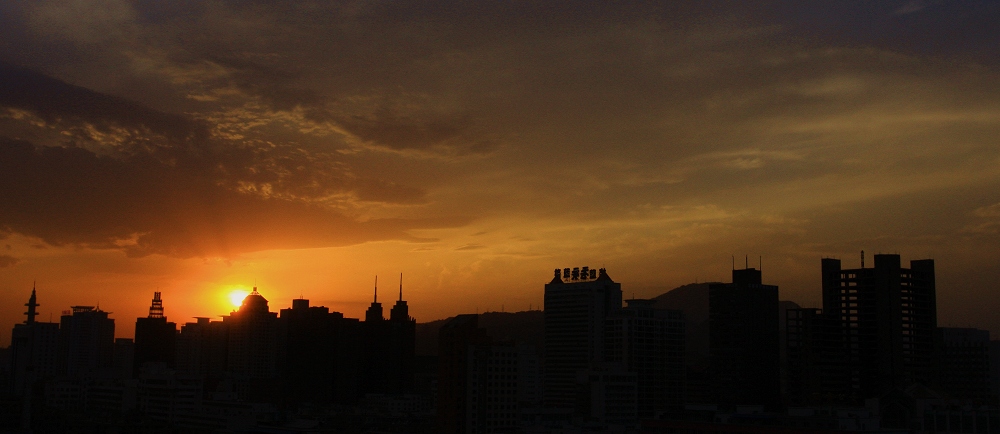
526 327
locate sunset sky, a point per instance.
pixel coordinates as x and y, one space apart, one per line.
197 147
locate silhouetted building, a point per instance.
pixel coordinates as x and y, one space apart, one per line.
389 347
888 317
155 337
964 370
124 358
321 362
818 372
87 342
578 301
34 350
483 385
252 350
402 346
457 340
491 398
201 349
745 365
649 342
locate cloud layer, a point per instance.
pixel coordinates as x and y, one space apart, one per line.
501 134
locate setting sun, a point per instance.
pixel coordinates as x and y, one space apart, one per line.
237 296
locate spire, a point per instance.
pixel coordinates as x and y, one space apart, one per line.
400 312
31 304
374 312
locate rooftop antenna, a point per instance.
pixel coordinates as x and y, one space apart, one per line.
862 259
734 262
400 286
746 262
760 263
376 289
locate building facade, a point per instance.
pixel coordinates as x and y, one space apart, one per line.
578 302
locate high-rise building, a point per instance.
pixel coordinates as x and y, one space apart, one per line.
87 342
155 337
482 384
201 349
321 362
389 347
744 341
457 338
649 342
401 352
252 350
888 317
578 301
34 350
817 360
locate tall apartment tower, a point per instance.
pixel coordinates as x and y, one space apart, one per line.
650 343
34 350
87 341
457 340
155 337
252 351
888 317
744 340
578 301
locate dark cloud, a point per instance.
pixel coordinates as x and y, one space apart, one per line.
163 185
73 196
54 100
7 261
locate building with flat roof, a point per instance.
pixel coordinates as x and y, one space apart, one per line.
744 341
888 318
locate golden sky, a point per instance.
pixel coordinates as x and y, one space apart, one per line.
194 147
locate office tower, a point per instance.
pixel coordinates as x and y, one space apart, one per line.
888 317
401 353
374 348
155 337
34 350
252 352
201 349
389 347
577 303
87 341
315 353
744 341
964 364
649 342
817 360
491 397
456 339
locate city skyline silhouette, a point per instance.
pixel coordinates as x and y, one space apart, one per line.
251 167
